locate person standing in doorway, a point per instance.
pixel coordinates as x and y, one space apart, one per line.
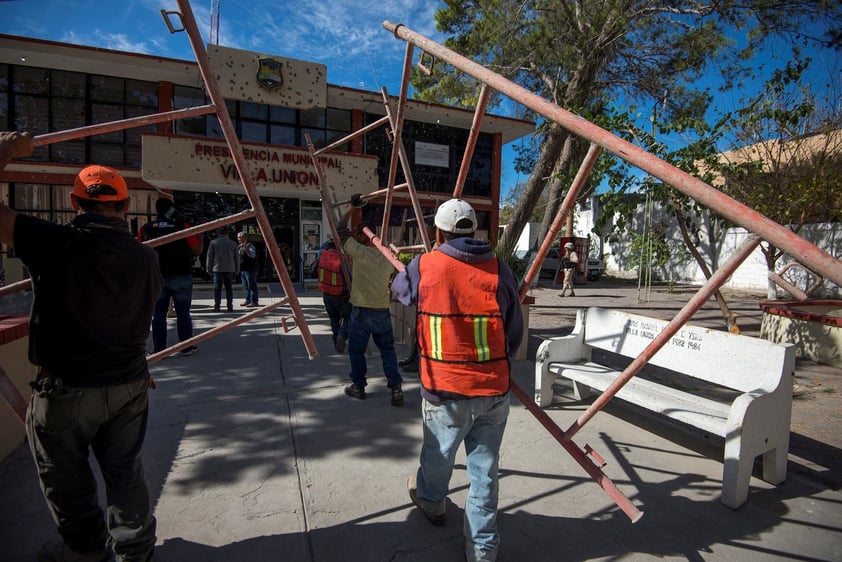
222 262
568 264
469 325
248 269
371 318
94 286
176 260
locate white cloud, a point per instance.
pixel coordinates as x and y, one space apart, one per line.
99 38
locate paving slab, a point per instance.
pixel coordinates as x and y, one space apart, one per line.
254 453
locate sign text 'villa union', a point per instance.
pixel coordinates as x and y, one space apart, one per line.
267 173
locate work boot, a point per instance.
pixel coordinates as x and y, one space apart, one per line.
397 395
435 518
355 391
57 551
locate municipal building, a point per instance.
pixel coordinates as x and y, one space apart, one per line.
48 86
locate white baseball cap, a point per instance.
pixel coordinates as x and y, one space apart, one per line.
451 212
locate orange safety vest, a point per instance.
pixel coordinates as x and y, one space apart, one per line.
460 327
330 272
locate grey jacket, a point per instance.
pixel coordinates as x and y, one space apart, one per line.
222 256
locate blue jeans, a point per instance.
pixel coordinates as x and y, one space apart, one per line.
480 423
221 278
249 279
376 324
62 427
180 289
338 310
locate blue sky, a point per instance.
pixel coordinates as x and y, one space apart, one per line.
345 35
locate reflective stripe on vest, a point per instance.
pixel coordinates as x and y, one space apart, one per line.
460 327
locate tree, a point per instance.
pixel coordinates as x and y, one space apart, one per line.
788 164
586 56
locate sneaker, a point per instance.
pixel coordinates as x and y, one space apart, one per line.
57 551
230 309
188 351
245 303
339 344
434 518
252 305
355 391
216 309
397 395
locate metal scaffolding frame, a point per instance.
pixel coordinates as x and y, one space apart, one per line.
217 107
762 227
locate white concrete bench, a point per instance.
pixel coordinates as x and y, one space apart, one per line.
754 420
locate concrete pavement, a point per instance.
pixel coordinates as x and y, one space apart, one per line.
254 453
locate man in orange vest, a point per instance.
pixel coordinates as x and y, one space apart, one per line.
469 323
334 293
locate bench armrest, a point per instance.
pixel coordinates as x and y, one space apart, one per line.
564 349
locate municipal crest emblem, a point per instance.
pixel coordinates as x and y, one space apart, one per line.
269 74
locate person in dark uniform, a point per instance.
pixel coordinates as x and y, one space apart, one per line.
176 260
94 287
248 269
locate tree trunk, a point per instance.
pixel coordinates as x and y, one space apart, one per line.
770 253
682 227
557 189
532 190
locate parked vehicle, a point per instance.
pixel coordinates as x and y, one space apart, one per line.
595 269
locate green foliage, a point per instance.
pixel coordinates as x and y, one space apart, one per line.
789 157
652 249
588 57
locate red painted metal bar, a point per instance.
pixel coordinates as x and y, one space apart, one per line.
372 195
578 455
407 173
130 123
738 213
355 134
471 143
397 129
216 330
10 393
383 249
15 287
707 290
330 200
198 229
209 77
566 208
27 283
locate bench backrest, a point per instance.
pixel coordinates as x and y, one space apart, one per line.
739 362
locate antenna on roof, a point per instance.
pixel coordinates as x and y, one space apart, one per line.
214 22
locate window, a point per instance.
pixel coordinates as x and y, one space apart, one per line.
48 100
432 178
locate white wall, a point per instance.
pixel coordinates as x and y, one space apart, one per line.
750 276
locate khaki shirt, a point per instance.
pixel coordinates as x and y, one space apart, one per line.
370 275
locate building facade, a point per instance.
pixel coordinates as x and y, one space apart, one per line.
275 103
